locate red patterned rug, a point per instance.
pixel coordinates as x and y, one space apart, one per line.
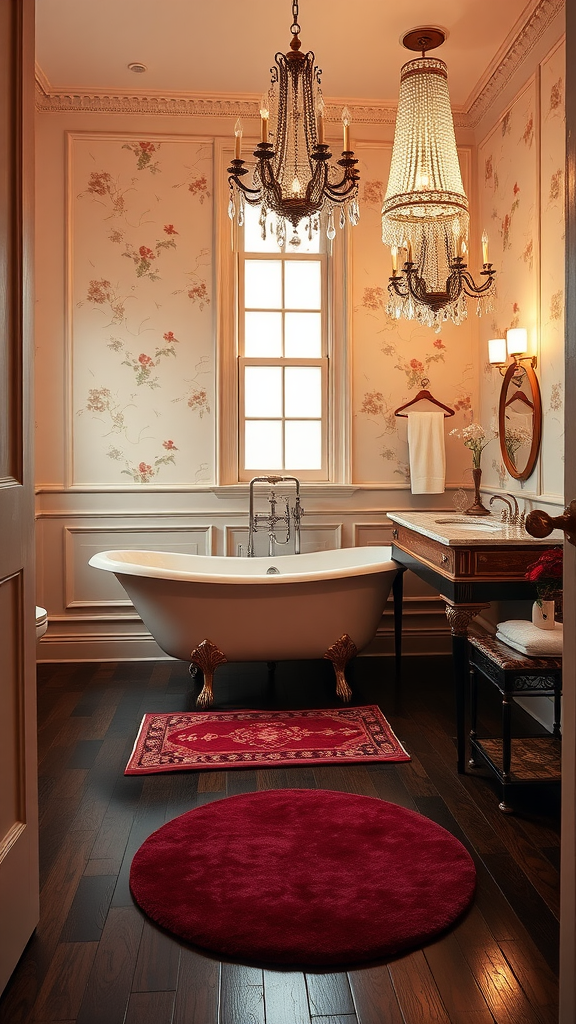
262 739
297 876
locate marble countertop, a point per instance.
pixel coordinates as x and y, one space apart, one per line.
457 529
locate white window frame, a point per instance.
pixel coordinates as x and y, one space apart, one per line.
320 474
337 324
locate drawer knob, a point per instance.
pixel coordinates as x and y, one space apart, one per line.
395 534
444 559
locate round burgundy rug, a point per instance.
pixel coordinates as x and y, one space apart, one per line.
297 876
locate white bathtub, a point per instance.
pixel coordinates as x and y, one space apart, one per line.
310 605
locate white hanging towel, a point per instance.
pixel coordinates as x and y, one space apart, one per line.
427 452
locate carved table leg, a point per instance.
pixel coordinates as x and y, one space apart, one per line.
459 618
207 656
339 654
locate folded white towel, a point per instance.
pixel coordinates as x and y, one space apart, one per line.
427 452
529 639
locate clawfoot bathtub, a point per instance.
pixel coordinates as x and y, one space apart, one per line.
208 609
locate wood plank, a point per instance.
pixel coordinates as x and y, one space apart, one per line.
242 995
340 1018
285 998
158 961
63 988
455 981
329 994
416 991
108 989
87 914
150 1008
240 781
374 996
345 779
212 782
198 994
150 816
536 979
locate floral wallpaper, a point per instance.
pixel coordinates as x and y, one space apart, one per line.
525 226
391 358
141 310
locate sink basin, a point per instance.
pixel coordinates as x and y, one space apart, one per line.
471 525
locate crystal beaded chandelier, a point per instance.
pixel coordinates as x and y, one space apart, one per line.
425 210
293 178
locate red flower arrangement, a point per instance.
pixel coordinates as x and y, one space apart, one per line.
546 574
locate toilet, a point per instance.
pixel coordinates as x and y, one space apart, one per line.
41 621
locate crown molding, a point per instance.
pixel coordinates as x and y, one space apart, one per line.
507 64
509 58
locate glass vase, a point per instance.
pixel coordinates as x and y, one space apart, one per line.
477 508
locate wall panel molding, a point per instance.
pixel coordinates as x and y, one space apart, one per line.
85 587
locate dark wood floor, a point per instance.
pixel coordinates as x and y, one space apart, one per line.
96 959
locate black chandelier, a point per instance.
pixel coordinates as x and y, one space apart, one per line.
410 297
293 177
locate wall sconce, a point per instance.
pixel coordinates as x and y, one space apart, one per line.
515 344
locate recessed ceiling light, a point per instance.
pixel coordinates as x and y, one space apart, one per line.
137 68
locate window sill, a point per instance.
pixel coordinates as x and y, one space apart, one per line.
306 487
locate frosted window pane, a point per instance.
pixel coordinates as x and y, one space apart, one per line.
263 390
263 334
303 391
303 445
302 289
303 335
263 444
263 284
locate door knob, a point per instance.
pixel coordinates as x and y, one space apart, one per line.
540 524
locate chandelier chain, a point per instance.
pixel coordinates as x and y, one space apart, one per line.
295 27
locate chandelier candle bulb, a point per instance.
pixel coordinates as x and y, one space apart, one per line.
346 127
484 248
497 351
238 140
264 115
394 255
320 111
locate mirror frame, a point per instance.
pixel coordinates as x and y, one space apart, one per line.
537 433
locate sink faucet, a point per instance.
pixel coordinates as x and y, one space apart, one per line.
270 520
506 514
512 516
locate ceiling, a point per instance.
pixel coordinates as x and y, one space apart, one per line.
226 47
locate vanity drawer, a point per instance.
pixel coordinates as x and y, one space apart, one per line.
501 563
439 555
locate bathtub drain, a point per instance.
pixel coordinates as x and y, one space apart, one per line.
272 571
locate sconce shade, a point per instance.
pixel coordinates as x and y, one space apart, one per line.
497 354
425 203
517 340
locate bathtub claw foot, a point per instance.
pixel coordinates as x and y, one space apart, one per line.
340 654
207 657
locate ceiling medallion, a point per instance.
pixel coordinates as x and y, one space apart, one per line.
425 210
293 178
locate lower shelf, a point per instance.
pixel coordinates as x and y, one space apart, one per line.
534 758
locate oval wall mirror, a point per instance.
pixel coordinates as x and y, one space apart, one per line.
520 420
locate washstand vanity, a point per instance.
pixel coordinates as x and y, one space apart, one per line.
471 562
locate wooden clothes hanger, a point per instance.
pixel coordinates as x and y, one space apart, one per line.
420 397
520 397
